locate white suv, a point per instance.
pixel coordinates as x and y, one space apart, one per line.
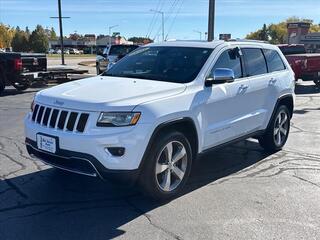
157 109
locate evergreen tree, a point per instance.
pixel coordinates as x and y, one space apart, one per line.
39 40
20 41
53 35
264 33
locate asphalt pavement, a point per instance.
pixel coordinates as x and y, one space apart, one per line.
238 192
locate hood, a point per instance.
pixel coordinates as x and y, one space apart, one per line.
107 93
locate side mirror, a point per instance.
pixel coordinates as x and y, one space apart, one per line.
220 75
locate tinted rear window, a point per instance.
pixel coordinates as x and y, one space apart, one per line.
289 50
254 61
122 49
274 60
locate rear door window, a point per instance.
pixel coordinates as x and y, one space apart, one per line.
229 59
254 61
274 60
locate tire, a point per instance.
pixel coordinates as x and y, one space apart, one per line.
278 130
317 82
98 68
159 177
21 86
2 82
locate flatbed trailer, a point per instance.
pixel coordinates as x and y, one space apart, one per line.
58 73
21 70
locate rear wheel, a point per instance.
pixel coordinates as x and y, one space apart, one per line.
98 68
278 131
21 86
167 167
2 82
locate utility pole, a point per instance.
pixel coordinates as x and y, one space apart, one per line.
162 14
111 27
61 31
212 4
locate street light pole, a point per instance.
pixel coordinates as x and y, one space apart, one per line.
162 15
111 27
199 33
211 18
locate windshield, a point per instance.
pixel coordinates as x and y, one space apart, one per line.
121 49
169 64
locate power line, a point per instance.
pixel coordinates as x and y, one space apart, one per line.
170 12
174 19
153 18
156 16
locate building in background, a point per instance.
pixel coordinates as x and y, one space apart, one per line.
298 33
225 36
311 42
89 43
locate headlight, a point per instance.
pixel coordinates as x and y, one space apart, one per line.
118 119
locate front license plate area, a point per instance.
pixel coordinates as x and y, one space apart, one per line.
46 143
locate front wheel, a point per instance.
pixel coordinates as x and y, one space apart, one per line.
277 133
167 167
98 68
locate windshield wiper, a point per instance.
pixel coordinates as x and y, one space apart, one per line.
134 76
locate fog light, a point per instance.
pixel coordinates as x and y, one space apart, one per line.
116 151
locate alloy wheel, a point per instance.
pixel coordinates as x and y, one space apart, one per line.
171 166
281 128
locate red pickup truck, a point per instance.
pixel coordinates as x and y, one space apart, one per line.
19 69
306 66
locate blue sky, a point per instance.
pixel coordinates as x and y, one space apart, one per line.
134 17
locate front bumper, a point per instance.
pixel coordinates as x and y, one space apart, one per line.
80 163
92 144
102 64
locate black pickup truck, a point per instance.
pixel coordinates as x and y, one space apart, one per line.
20 69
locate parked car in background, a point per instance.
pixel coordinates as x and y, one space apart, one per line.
58 51
74 51
111 55
306 66
19 69
66 51
147 118
51 51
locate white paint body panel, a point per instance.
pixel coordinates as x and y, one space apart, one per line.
220 113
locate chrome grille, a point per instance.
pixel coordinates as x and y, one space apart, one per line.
60 119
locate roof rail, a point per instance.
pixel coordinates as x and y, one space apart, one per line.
246 40
191 40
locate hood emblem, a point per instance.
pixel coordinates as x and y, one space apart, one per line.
59 103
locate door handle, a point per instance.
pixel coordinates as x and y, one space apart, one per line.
243 88
273 80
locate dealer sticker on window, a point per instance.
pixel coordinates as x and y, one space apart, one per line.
46 143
